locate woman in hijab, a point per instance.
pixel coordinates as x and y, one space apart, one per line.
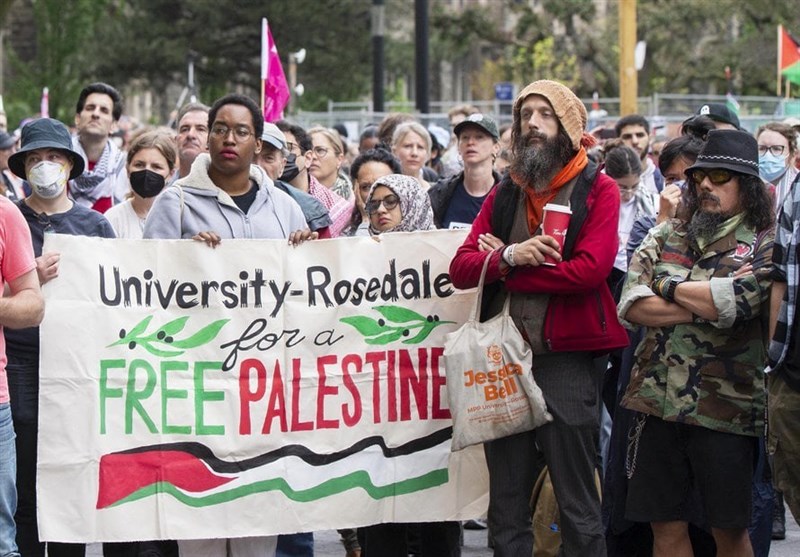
397 203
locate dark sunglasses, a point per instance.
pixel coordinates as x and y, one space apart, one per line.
389 202
716 176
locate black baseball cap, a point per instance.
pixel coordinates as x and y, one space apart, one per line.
719 113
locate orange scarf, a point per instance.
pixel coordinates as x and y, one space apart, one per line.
537 200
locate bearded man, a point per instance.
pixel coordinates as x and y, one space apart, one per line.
549 165
701 289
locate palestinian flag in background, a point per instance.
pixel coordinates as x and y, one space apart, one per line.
788 55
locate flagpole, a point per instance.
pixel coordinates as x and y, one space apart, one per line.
780 49
264 62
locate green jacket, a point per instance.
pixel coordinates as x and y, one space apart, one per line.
704 373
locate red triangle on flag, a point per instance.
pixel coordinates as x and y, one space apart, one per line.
790 50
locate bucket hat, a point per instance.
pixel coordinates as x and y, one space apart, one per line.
45 133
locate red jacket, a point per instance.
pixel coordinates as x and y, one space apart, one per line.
585 272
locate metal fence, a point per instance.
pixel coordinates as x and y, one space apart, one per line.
660 109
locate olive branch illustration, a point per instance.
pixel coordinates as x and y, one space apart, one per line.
162 341
397 322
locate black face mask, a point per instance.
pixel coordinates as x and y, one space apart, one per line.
147 183
290 170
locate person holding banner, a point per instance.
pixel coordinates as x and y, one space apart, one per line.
21 307
398 203
47 161
225 195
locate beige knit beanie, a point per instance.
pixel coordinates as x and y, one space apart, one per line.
568 107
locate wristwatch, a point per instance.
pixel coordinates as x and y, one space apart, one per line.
669 290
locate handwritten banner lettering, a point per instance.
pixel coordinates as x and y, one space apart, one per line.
252 389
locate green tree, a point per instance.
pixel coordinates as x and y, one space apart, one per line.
63 45
151 39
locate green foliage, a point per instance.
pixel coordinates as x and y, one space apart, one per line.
147 42
64 43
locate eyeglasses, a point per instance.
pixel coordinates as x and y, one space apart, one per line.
321 152
242 133
389 202
292 147
627 189
716 176
775 150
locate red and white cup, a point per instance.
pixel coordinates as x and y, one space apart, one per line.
555 223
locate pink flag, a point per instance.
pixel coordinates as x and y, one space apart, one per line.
274 88
44 107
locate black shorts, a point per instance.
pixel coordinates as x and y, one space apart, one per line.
673 460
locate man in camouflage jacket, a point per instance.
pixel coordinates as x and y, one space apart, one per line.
701 289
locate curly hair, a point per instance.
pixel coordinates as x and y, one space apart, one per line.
753 199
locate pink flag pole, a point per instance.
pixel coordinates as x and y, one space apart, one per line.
276 94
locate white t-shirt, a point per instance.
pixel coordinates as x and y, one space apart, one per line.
125 221
627 216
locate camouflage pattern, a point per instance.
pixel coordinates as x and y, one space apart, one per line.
703 373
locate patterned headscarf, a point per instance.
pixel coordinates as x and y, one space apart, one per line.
415 205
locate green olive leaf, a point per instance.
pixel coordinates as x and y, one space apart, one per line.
389 336
397 314
201 337
364 325
174 326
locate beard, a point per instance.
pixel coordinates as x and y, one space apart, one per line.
704 224
535 164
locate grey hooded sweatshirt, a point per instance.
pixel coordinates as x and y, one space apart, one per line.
194 204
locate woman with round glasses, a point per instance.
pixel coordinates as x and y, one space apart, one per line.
777 145
397 203
365 170
326 159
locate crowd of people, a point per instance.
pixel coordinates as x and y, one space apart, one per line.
663 336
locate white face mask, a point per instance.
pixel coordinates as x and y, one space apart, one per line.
48 179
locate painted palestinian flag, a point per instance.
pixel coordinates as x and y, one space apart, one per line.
788 55
194 475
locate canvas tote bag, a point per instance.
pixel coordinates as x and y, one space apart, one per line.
489 381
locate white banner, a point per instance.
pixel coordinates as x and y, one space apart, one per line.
253 389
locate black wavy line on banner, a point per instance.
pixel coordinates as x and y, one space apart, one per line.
205 454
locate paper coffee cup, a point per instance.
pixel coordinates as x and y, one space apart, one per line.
555 223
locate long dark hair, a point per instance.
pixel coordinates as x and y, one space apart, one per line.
753 199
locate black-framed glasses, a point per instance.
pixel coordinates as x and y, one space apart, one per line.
716 176
389 202
775 150
242 133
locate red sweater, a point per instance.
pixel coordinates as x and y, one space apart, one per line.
592 257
